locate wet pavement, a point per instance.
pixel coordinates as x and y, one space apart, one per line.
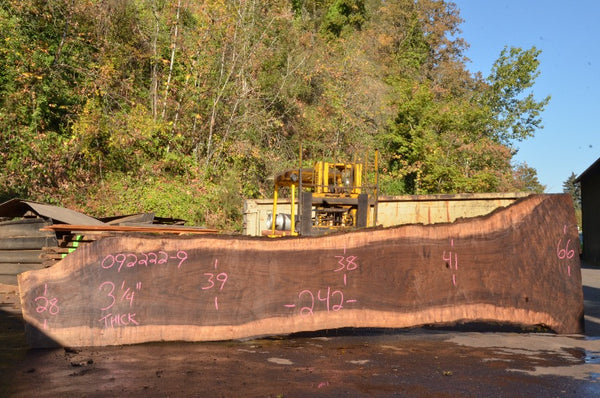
340 363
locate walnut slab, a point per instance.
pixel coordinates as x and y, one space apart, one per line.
517 265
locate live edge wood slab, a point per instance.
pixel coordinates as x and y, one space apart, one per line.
518 265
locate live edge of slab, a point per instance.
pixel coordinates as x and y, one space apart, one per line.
517 265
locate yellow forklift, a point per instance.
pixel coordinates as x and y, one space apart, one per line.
330 197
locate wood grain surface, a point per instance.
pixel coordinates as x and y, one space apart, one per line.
518 265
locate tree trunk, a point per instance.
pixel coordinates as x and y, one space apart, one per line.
172 60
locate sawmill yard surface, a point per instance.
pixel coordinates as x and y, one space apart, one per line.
407 363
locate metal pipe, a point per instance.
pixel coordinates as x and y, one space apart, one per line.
299 188
274 211
376 190
293 230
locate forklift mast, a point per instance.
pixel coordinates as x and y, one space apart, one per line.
331 197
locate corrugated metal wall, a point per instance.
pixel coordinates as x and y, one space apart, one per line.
590 203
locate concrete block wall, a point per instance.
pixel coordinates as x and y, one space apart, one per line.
397 210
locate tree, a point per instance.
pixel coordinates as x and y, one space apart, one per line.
573 188
343 17
524 178
450 136
44 46
144 98
515 113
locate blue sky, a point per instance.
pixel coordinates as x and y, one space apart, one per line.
566 33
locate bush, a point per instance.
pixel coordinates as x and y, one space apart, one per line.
199 202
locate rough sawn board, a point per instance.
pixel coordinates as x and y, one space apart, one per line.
518 265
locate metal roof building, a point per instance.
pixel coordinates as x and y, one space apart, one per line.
589 182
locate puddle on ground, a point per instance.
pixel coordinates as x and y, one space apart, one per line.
592 357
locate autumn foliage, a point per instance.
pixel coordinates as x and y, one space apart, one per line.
186 107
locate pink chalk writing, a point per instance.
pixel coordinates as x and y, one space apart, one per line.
130 260
329 299
323 384
451 260
45 304
346 263
221 278
114 294
126 294
307 310
332 300
114 320
564 252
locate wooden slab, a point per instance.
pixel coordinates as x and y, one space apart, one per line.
159 229
9 297
27 227
27 242
517 265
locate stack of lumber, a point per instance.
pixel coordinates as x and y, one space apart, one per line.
9 299
21 247
66 244
28 242
72 237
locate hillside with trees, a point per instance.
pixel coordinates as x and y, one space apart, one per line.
185 108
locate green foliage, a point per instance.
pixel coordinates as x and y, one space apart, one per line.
343 17
573 188
524 178
440 143
187 108
516 114
192 200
